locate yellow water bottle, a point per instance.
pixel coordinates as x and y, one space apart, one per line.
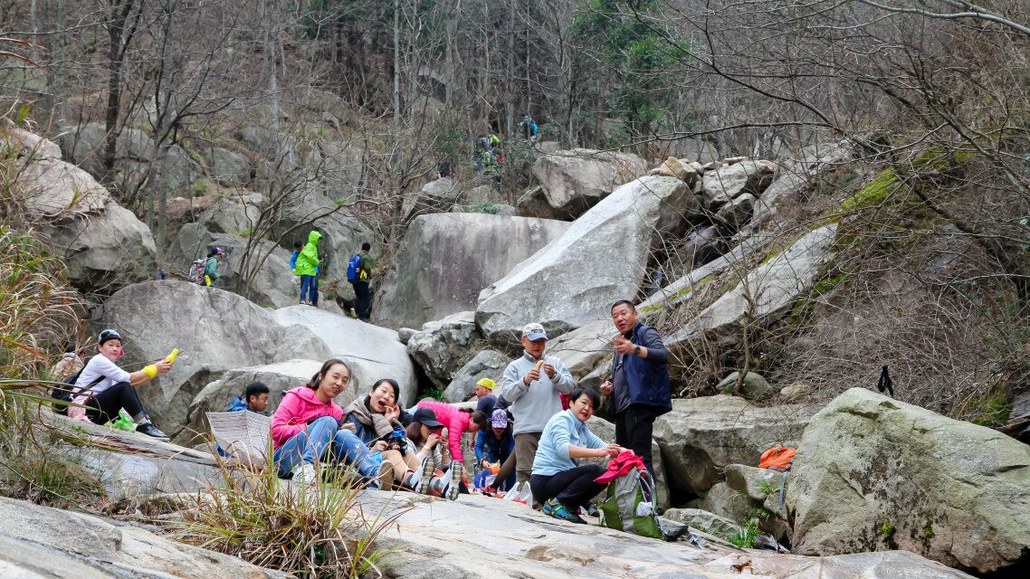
170 358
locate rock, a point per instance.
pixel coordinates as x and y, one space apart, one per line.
725 502
52 188
736 213
755 387
575 180
673 167
793 176
215 331
342 233
796 392
699 247
279 377
405 334
720 186
19 143
533 203
772 288
37 541
104 251
372 352
84 146
235 213
883 565
336 167
440 347
875 473
693 150
704 521
756 483
446 259
435 197
485 364
601 258
702 435
227 167
584 349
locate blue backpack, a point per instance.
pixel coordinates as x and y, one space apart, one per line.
354 268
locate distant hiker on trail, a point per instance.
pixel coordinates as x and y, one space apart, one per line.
640 381
559 482
359 271
297 246
102 388
532 383
306 267
211 274
529 128
254 399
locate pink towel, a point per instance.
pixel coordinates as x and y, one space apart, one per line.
620 465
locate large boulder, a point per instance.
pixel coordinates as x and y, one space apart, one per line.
690 149
279 377
485 364
37 541
575 180
48 186
434 197
236 212
372 352
874 473
727 183
766 291
215 331
227 167
104 251
84 145
446 259
442 346
601 258
793 176
700 436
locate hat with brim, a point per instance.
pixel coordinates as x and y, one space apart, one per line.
499 418
534 332
428 417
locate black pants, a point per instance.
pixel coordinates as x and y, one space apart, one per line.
104 406
573 488
633 427
364 295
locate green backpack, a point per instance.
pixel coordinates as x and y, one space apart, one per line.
628 506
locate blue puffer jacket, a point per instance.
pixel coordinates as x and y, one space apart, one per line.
648 379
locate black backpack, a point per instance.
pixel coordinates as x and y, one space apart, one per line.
64 393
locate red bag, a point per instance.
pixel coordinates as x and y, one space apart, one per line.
778 458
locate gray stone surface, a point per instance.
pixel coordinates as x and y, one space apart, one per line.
755 387
702 435
602 257
434 197
726 183
441 347
875 473
446 259
575 180
485 364
227 167
793 176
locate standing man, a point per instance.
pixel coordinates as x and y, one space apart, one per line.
531 384
640 373
359 270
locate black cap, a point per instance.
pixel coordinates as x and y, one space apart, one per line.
428 417
107 335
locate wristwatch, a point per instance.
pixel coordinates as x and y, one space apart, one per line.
636 350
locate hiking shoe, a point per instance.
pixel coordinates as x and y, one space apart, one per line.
559 511
454 485
591 510
384 477
304 474
421 478
149 429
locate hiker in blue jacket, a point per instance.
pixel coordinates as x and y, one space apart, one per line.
640 381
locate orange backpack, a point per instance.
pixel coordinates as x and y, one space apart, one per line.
778 458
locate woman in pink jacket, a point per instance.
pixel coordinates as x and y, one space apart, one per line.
458 421
306 429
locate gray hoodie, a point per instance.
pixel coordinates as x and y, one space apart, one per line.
533 405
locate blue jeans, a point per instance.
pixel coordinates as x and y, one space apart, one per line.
309 289
323 437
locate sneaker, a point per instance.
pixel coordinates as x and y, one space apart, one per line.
592 510
454 486
149 429
557 510
304 475
421 478
384 477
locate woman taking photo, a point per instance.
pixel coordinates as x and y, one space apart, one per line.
558 482
306 428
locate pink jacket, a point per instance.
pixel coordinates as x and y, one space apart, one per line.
456 421
299 407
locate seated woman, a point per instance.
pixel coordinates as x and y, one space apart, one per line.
458 421
375 418
424 433
495 446
306 428
558 482
103 388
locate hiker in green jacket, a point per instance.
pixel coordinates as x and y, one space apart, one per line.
211 273
307 269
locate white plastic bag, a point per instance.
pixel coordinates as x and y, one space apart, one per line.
520 494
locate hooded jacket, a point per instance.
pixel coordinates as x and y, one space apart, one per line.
299 407
456 421
307 261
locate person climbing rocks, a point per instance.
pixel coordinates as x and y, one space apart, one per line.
306 267
211 273
360 282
